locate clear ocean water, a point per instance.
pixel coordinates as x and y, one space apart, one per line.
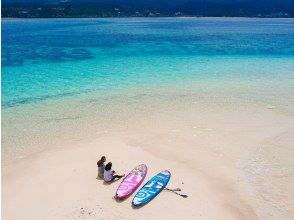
45 59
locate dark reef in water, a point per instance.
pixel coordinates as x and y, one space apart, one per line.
17 55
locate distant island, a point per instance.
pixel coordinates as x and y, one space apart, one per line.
145 8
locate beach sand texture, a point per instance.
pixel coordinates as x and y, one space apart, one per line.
234 161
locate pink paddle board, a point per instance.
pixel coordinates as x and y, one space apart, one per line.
131 182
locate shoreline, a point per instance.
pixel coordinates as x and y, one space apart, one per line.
38 126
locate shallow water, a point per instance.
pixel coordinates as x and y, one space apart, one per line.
57 73
53 58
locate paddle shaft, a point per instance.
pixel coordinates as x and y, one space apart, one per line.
176 189
183 195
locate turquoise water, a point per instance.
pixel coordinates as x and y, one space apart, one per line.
45 59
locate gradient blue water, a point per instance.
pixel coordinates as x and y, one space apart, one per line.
51 58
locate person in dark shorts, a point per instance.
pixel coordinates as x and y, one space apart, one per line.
109 173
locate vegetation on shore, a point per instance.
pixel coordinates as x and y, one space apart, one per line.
128 8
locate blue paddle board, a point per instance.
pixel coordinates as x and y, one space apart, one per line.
152 188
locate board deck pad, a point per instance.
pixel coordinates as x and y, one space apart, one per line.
152 188
131 182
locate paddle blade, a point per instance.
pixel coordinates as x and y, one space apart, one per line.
184 196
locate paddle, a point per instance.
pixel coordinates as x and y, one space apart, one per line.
174 191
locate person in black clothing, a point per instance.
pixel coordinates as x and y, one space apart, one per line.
109 173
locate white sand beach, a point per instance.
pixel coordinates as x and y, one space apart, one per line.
233 160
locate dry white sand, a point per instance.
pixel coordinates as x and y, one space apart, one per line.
234 162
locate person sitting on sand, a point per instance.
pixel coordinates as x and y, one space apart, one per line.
101 167
109 173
